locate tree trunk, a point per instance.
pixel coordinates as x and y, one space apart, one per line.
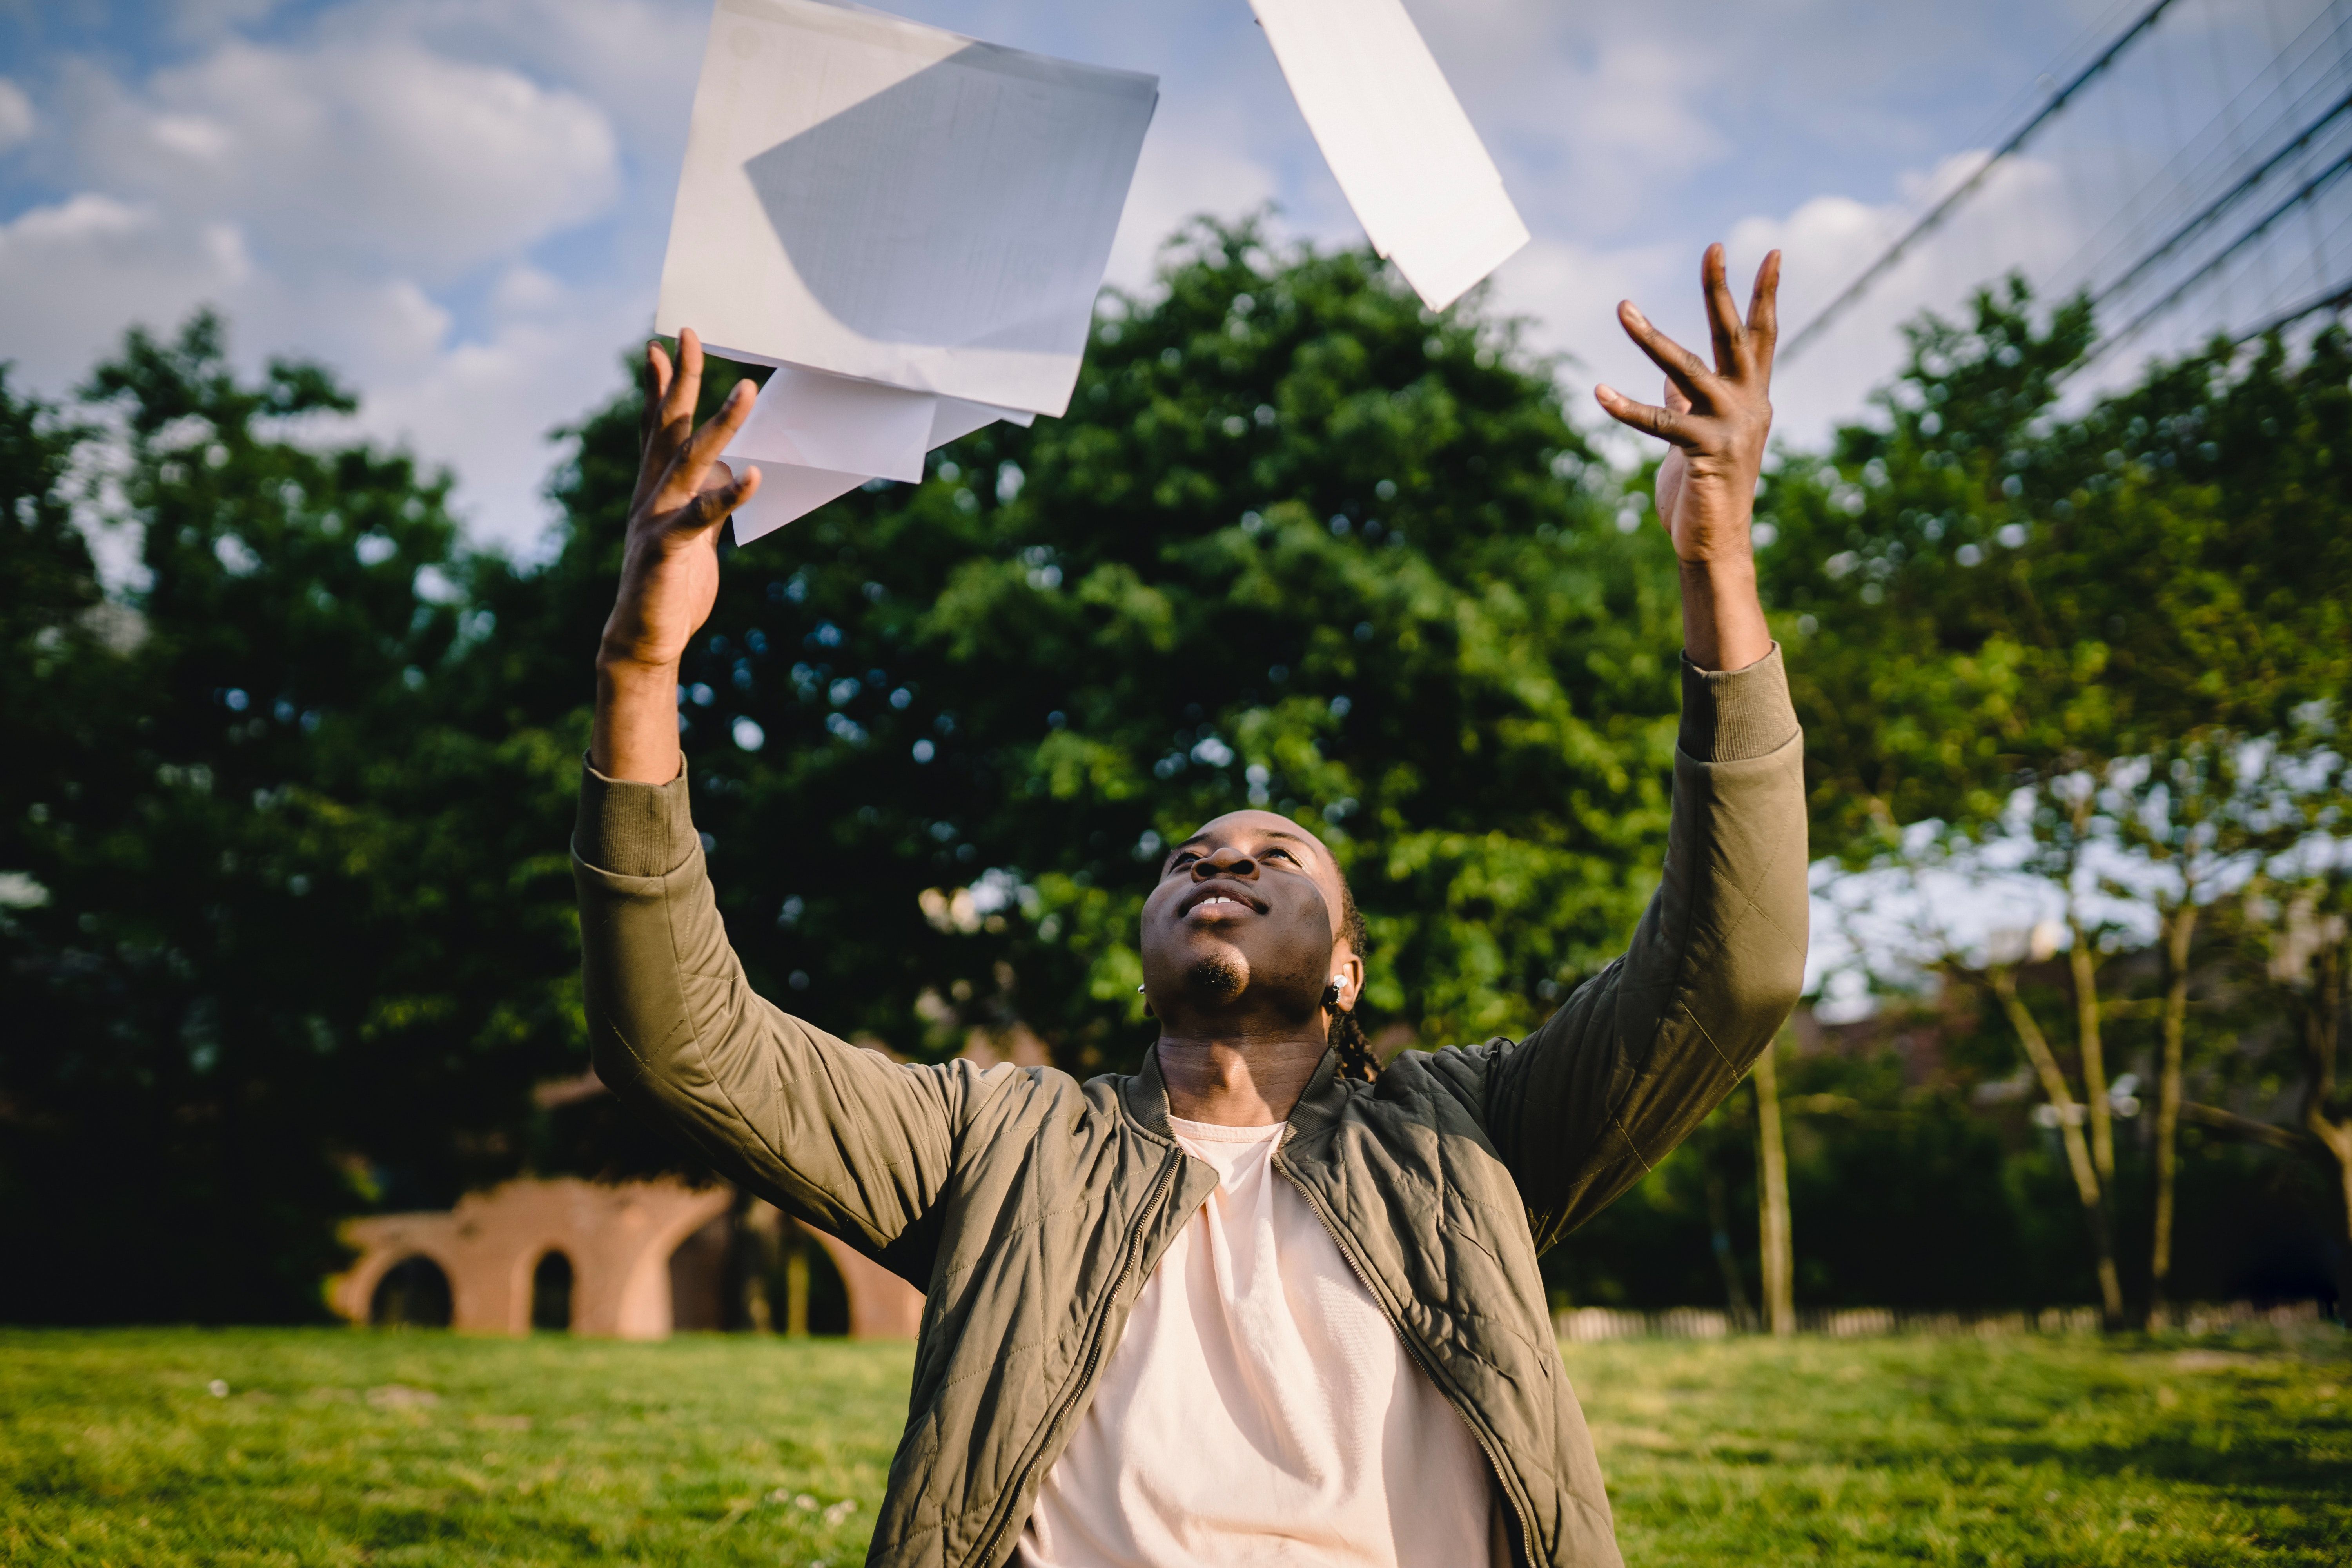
1772 1200
2323 1023
796 1284
1718 1220
2069 1133
2083 963
760 1228
2178 929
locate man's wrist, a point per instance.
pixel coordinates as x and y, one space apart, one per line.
620 673
1723 617
1732 569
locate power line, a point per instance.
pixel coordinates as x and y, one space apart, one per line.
2305 192
2333 299
1936 214
2213 209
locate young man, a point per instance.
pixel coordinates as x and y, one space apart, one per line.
1242 1307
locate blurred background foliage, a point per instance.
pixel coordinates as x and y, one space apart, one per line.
285 911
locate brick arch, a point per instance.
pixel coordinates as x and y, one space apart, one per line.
617 1238
881 1305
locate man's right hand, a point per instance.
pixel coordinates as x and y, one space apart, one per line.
669 566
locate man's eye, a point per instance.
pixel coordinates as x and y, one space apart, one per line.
1180 861
1271 854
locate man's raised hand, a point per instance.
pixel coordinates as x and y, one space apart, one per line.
1713 420
669 565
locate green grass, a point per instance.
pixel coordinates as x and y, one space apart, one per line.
2019 1451
333 1446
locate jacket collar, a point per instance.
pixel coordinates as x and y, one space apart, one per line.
1145 1095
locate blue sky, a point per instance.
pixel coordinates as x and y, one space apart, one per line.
461 205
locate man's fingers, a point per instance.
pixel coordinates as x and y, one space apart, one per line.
710 508
1682 367
1675 400
1722 315
1665 424
685 385
693 464
1764 313
653 453
657 389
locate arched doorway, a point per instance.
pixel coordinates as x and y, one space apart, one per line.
551 1293
809 1289
414 1293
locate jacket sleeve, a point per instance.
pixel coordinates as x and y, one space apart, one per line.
842 1137
1583 1107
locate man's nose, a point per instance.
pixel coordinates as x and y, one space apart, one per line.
1224 862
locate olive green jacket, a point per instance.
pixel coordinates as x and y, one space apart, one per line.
1029 1207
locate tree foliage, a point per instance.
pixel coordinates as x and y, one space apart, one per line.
306 946
2110 638
278 926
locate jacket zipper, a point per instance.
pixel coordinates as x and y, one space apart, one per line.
1420 1355
1086 1378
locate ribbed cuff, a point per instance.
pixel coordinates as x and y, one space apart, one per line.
1730 716
634 829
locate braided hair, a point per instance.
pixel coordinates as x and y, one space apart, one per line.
1347 1037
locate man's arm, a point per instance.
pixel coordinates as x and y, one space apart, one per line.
1584 1106
840 1136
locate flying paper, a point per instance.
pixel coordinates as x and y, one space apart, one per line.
816 437
912 224
880 199
1405 154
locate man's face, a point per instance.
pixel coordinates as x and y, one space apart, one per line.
1244 920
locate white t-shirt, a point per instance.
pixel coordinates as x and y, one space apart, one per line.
1259 1410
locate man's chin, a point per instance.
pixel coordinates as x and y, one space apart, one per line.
1218 975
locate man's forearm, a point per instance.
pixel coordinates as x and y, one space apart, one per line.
1722 620
635 732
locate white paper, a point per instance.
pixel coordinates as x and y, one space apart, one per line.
816 437
878 199
787 493
818 421
956 419
1405 154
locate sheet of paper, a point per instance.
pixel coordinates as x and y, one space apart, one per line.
880 199
814 438
786 494
818 421
1397 141
956 419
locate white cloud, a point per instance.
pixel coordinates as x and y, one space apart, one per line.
636 60
1176 180
460 204
381 157
488 407
340 196
2021 217
77 273
16 117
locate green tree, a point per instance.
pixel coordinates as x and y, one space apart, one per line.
1297 541
293 929
2057 632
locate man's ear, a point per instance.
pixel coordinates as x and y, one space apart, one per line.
1348 971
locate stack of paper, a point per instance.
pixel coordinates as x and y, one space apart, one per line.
910 225
1405 154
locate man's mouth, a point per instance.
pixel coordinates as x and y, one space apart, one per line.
1214 903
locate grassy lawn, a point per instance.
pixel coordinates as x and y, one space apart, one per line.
331 1447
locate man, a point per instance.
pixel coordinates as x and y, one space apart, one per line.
1242 1306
